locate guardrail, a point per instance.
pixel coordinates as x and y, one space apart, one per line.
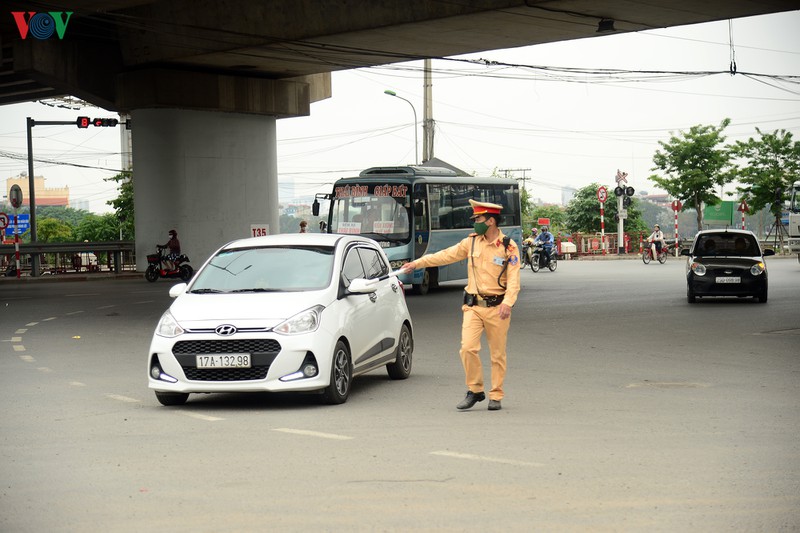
118 250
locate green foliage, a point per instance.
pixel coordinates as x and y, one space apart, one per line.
771 164
526 204
695 167
123 206
98 228
555 213
583 213
53 230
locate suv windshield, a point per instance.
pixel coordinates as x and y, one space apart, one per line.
269 269
726 244
380 212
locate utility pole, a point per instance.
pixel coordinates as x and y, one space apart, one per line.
427 114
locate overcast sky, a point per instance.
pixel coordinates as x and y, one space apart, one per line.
518 112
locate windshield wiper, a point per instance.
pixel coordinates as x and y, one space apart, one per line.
206 291
257 290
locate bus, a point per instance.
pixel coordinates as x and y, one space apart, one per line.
794 220
415 210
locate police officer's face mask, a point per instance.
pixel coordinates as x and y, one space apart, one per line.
481 227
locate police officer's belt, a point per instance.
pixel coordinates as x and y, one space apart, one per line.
481 300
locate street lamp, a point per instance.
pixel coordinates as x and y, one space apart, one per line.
416 153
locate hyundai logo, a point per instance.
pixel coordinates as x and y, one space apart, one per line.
225 330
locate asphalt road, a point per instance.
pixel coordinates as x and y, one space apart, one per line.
626 409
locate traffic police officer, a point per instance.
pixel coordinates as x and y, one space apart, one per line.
492 289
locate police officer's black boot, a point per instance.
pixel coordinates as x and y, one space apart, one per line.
471 399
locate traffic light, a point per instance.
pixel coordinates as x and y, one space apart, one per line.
84 122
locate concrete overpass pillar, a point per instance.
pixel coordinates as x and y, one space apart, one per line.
206 174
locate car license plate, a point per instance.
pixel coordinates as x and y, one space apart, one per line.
228 360
729 279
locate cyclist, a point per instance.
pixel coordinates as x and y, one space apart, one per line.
656 241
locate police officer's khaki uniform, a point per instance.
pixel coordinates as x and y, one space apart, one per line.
486 261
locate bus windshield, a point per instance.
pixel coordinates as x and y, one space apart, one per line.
380 212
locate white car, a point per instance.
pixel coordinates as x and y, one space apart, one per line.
292 312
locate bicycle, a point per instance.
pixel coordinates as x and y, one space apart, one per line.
647 254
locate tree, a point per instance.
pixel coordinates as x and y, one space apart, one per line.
123 206
555 213
53 230
771 164
696 166
583 213
98 228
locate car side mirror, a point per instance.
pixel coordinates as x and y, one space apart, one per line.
177 290
363 286
315 208
685 251
768 251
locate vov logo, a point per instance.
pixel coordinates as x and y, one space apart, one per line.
42 25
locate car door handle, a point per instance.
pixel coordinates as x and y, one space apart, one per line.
373 297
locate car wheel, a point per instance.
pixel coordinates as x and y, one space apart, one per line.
151 274
172 398
186 272
341 376
690 297
423 288
401 368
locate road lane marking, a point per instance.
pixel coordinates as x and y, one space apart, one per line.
201 417
27 358
307 433
49 319
121 398
77 384
29 324
106 306
18 347
75 313
82 294
486 459
44 369
20 331
16 339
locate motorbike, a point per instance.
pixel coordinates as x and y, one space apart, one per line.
155 267
526 254
647 254
536 258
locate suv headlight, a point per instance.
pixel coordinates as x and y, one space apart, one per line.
757 269
303 322
699 269
168 326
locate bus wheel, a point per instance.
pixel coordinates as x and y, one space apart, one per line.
422 288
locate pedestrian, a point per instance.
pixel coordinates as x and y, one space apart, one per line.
491 291
303 225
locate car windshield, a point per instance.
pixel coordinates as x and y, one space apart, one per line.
267 269
726 244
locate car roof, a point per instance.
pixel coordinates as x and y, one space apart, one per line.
731 231
296 239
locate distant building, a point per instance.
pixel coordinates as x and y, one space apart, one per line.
44 196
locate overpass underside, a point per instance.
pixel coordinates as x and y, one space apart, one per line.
176 65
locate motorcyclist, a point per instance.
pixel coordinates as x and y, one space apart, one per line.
656 240
174 246
527 244
545 238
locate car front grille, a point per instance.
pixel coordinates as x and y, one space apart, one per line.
226 346
262 353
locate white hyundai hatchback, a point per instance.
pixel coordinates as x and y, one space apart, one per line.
292 312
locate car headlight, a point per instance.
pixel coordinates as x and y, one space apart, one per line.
758 269
168 326
699 269
303 322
